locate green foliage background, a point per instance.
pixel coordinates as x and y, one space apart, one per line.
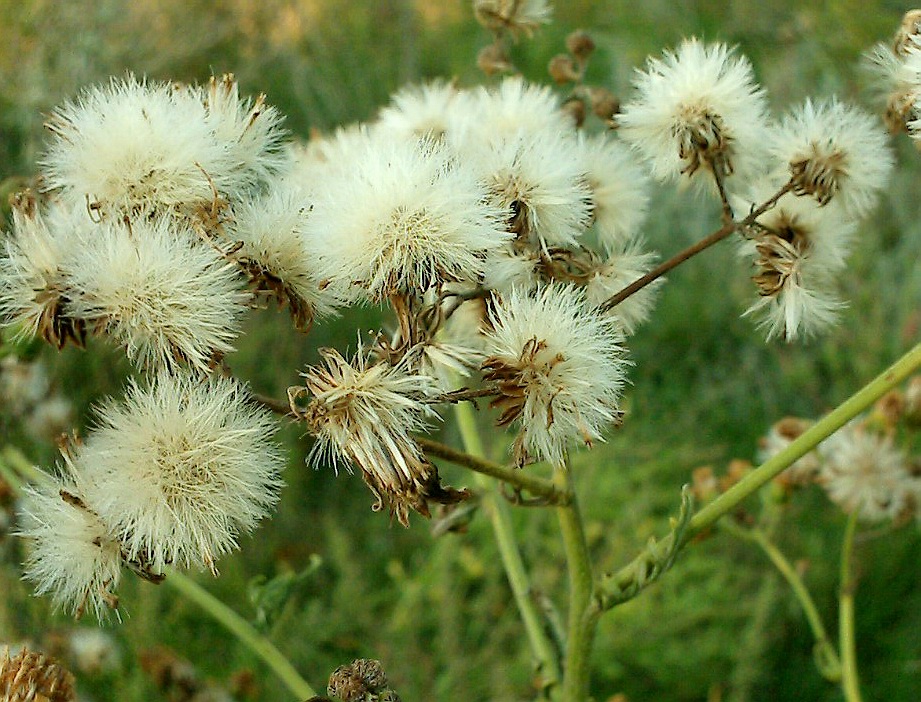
438 612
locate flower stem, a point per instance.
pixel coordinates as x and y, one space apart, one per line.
850 682
808 440
247 635
498 511
826 656
693 250
582 619
518 479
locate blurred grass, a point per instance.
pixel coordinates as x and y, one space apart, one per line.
704 388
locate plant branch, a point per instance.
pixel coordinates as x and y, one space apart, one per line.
850 682
826 657
614 585
500 517
693 250
517 478
581 622
246 634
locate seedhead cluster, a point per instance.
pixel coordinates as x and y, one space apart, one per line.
497 223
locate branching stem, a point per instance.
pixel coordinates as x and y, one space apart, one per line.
847 640
517 478
500 517
808 440
244 632
693 250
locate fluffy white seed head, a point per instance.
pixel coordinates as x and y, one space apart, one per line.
559 366
620 269
421 111
133 146
167 298
782 433
34 265
697 107
363 414
248 130
507 268
276 253
618 189
834 153
73 557
862 471
179 469
502 111
536 178
400 216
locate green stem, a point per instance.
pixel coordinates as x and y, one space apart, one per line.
519 479
850 683
582 619
512 561
808 440
247 635
826 657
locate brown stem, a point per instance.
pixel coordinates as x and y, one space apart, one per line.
277 406
517 478
463 394
693 250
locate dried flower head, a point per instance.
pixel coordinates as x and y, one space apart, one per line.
180 468
782 433
834 151
167 298
862 471
559 367
399 216
31 676
34 290
274 250
364 413
515 16
697 109
619 270
73 555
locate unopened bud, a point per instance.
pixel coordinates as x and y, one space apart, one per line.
563 69
580 44
492 59
34 677
575 108
364 679
604 104
908 34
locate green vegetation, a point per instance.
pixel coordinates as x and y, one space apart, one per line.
326 579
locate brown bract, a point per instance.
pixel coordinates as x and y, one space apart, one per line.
31 676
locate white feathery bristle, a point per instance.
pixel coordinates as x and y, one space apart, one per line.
179 469
513 106
167 298
419 111
618 190
836 153
700 102
560 366
73 556
506 268
620 269
400 216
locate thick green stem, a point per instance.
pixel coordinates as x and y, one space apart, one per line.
826 657
498 512
518 479
724 504
582 620
850 682
246 634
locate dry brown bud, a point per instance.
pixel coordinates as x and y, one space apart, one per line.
493 59
576 109
604 104
580 44
736 471
890 407
364 679
31 676
563 69
908 33
703 484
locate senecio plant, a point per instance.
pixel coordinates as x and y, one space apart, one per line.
501 226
